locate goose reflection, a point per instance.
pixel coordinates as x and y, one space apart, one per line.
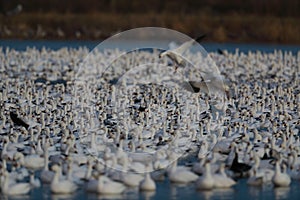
281 192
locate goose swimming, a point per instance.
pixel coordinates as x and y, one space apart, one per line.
11 189
180 175
280 179
61 186
147 184
106 186
221 180
206 181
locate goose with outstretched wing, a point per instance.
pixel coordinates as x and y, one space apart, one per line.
176 54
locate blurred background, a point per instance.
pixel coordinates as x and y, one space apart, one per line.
250 21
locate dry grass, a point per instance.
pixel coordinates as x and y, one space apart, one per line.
219 28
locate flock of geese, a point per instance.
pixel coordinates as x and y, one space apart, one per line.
103 135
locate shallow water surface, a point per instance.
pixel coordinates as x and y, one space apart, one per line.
166 190
210 47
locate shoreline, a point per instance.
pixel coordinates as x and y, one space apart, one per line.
22 45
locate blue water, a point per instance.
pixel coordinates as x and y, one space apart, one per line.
210 47
166 190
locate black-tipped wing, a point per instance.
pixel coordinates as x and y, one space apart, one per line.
185 46
18 121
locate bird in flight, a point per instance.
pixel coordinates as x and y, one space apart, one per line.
212 82
176 54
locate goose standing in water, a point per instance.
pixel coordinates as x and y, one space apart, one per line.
61 187
147 184
221 180
46 174
10 189
259 170
106 186
280 179
181 175
206 181
130 179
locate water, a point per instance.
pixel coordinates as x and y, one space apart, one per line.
210 47
166 190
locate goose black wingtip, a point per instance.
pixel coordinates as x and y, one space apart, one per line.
17 121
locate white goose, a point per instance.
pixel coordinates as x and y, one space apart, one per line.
221 180
176 54
261 170
206 181
5 152
130 179
124 174
136 166
147 184
280 179
32 162
106 186
9 188
46 174
181 175
61 187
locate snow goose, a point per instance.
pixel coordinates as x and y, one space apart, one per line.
5 152
221 180
280 179
147 184
264 170
180 175
106 186
130 179
32 162
206 181
61 186
10 189
46 174
176 54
